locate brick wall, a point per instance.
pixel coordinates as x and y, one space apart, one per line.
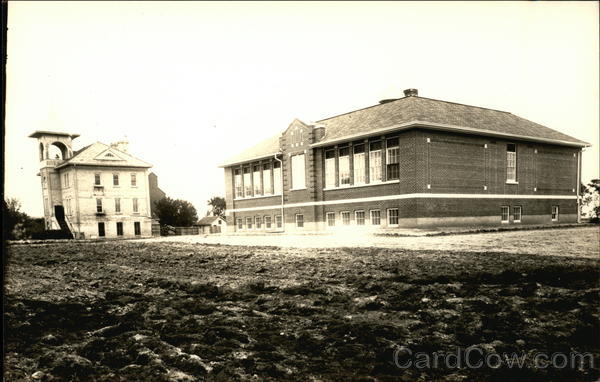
432 162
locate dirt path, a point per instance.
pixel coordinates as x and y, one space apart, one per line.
579 242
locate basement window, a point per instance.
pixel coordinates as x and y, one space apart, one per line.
554 213
375 217
392 217
517 211
504 212
299 220
345 217
360 217
330 219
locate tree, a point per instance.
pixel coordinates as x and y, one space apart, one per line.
17 224
13 217
591 199
217 205
175 212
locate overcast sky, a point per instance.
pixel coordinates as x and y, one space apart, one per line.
192 83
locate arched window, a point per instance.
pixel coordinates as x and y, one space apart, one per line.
42 152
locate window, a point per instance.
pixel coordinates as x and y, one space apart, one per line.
345 217
119 229
258 222
267 179
517 214
330 219
299 220
135 205
344 166
239 191
329 169
68 206
137 228
240 224
97 180
505 213
278 221
392 216
511 162
375 217
359 164
66 180
115 179
99 205
257 182
554 213
117 205
267 222
375 162
248 223
360 217
298 172
277 178
101 231
133 180
392 159
247 182
44 181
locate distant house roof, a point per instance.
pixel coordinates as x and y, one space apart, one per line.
413 111
100 154
208 220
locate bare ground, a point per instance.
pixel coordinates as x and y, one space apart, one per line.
132 310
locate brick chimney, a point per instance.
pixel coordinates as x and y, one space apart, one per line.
411 93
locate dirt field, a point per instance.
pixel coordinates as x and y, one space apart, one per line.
158 311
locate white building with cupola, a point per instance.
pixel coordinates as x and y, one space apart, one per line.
98 191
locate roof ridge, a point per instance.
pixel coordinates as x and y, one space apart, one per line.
464 104
364 108
400 99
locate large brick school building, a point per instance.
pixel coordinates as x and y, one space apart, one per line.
407 162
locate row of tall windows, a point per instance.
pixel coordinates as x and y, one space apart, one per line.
354 157
256 180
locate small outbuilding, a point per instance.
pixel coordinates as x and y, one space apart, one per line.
211 224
